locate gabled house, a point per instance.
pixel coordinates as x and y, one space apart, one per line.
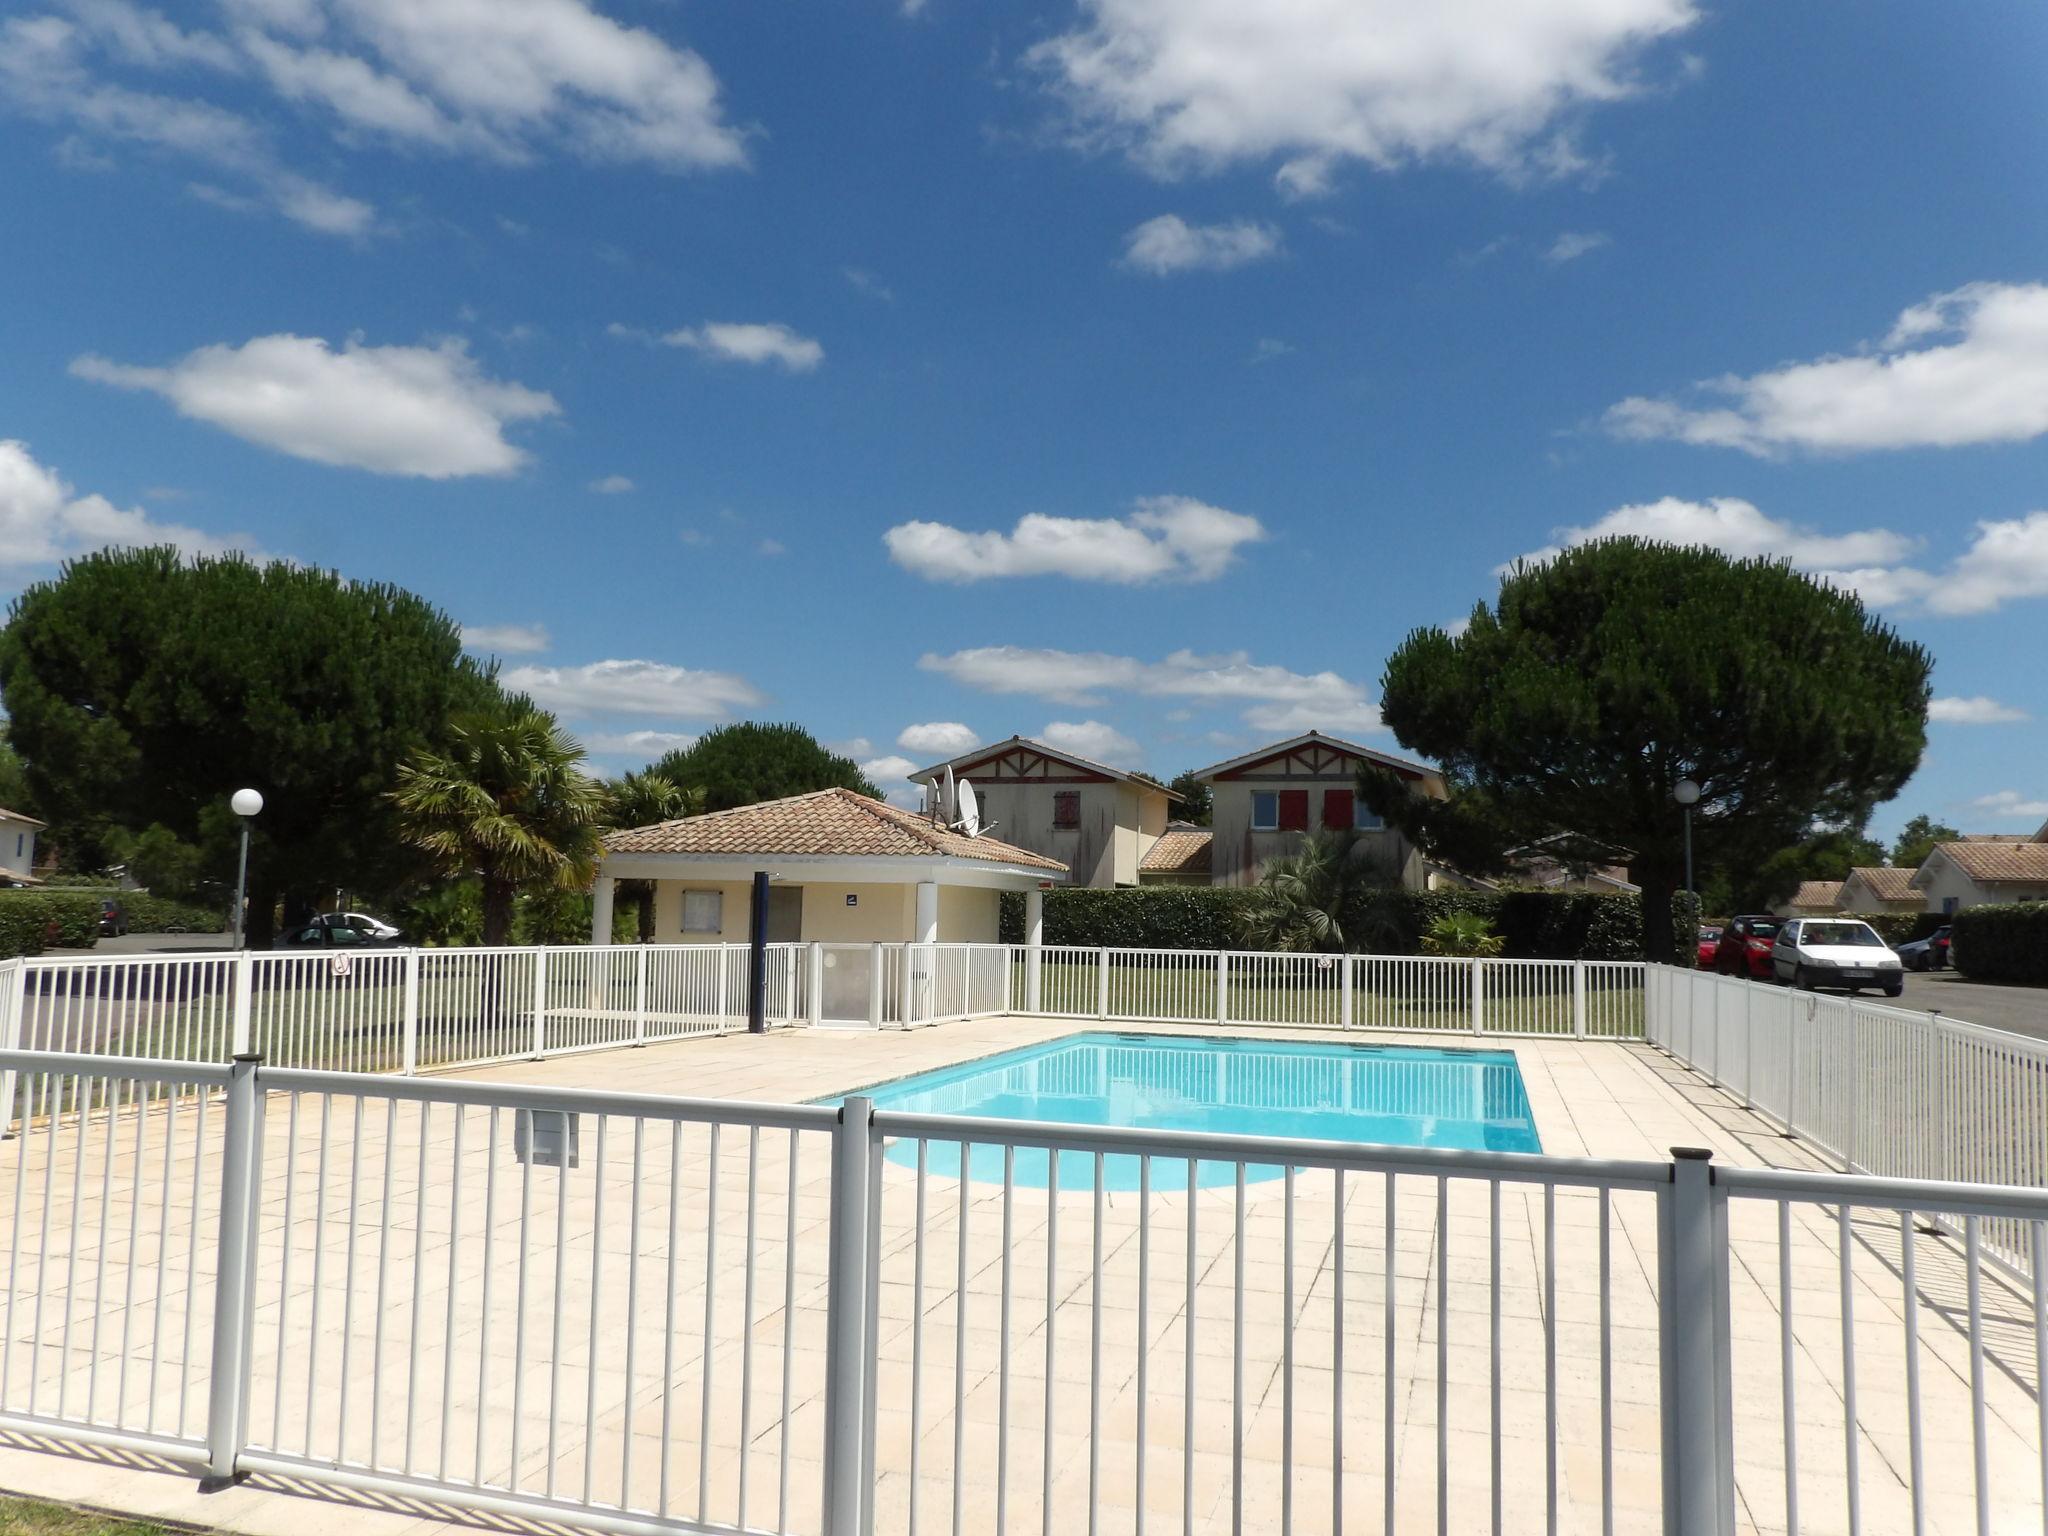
1880 888
1100 822
1568 861
1813 898
1974 871
1264 801
1179 857
18 847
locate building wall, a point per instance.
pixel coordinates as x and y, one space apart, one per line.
668 911
1860 899
968 915
1238 855
17 847
1118 823
1943 881
881 914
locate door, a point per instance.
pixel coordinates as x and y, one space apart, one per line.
785 914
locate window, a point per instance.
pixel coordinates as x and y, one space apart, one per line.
1066 810
1293 810
1265 812
703 911
1948 906
1337 810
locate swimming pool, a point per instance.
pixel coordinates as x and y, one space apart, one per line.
1388 1095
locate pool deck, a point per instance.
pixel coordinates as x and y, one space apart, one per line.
1588 1099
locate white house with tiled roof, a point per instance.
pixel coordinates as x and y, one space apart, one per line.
1870 890
1264 801
17 847
1098 821
1973 871
844 869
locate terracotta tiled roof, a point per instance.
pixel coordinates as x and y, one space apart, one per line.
1179 851
830 823
2000 861
1823 894
1887 883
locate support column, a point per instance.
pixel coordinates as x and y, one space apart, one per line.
927 922
601 910
1034 952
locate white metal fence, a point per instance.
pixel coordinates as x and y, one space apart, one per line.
643 1314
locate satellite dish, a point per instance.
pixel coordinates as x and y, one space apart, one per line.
949 799
970 812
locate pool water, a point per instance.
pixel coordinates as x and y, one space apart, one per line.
1387 1095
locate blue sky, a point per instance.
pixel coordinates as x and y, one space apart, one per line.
1132 372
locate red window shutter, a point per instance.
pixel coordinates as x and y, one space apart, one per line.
1293 810
1337 809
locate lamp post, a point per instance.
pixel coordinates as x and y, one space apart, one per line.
245 803
1687 793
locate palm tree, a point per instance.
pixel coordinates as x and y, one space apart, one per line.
640 800
507 800
1327 895
1462 935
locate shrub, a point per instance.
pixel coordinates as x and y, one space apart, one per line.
159 914
2002 943
32 921
1462 935
1539 925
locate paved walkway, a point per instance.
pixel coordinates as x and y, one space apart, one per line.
391 1301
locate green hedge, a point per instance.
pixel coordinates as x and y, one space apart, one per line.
1548 925
159 914
2002 943
32 921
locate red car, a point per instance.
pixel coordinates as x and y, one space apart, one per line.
1745 947
1710 944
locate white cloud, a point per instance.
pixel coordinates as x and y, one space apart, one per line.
43 520
1987 383
1204 84
506 639
2009 802
1735 527
641 744
1170 244
1573 244
634 688
855 747
1305 178
1973 711
749 343
938 738
768 549
45 74
611 485
1094 740
1165 538
889 772
1273 698
427 411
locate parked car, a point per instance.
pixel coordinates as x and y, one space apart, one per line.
113 921
362 922
1811 952
1710 943
328 936
1928 954
1745 947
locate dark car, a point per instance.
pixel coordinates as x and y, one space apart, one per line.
1745 947
1928 954
113 921
1710 943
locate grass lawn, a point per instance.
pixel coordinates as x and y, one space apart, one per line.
32 1517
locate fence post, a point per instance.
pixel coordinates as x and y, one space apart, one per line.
411 1007
1348 962
1034 978
1478 997
238 1019
639 994
1692 1316
846 1323
1222 986
1102 983
814 961
1579 999
874 986
13 1006
227 1399
540 1001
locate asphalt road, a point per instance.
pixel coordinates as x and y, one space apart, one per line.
155 944
2023 1010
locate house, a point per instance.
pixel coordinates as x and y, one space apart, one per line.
1097 821
844 869
1813 898
18 848
1179 857
1566 861
1264 801
1974 871
1878 889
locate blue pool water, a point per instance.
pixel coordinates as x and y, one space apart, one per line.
1389 1095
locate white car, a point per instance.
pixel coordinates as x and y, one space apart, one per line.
1840 952
369 927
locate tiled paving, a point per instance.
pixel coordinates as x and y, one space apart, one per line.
423 1306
